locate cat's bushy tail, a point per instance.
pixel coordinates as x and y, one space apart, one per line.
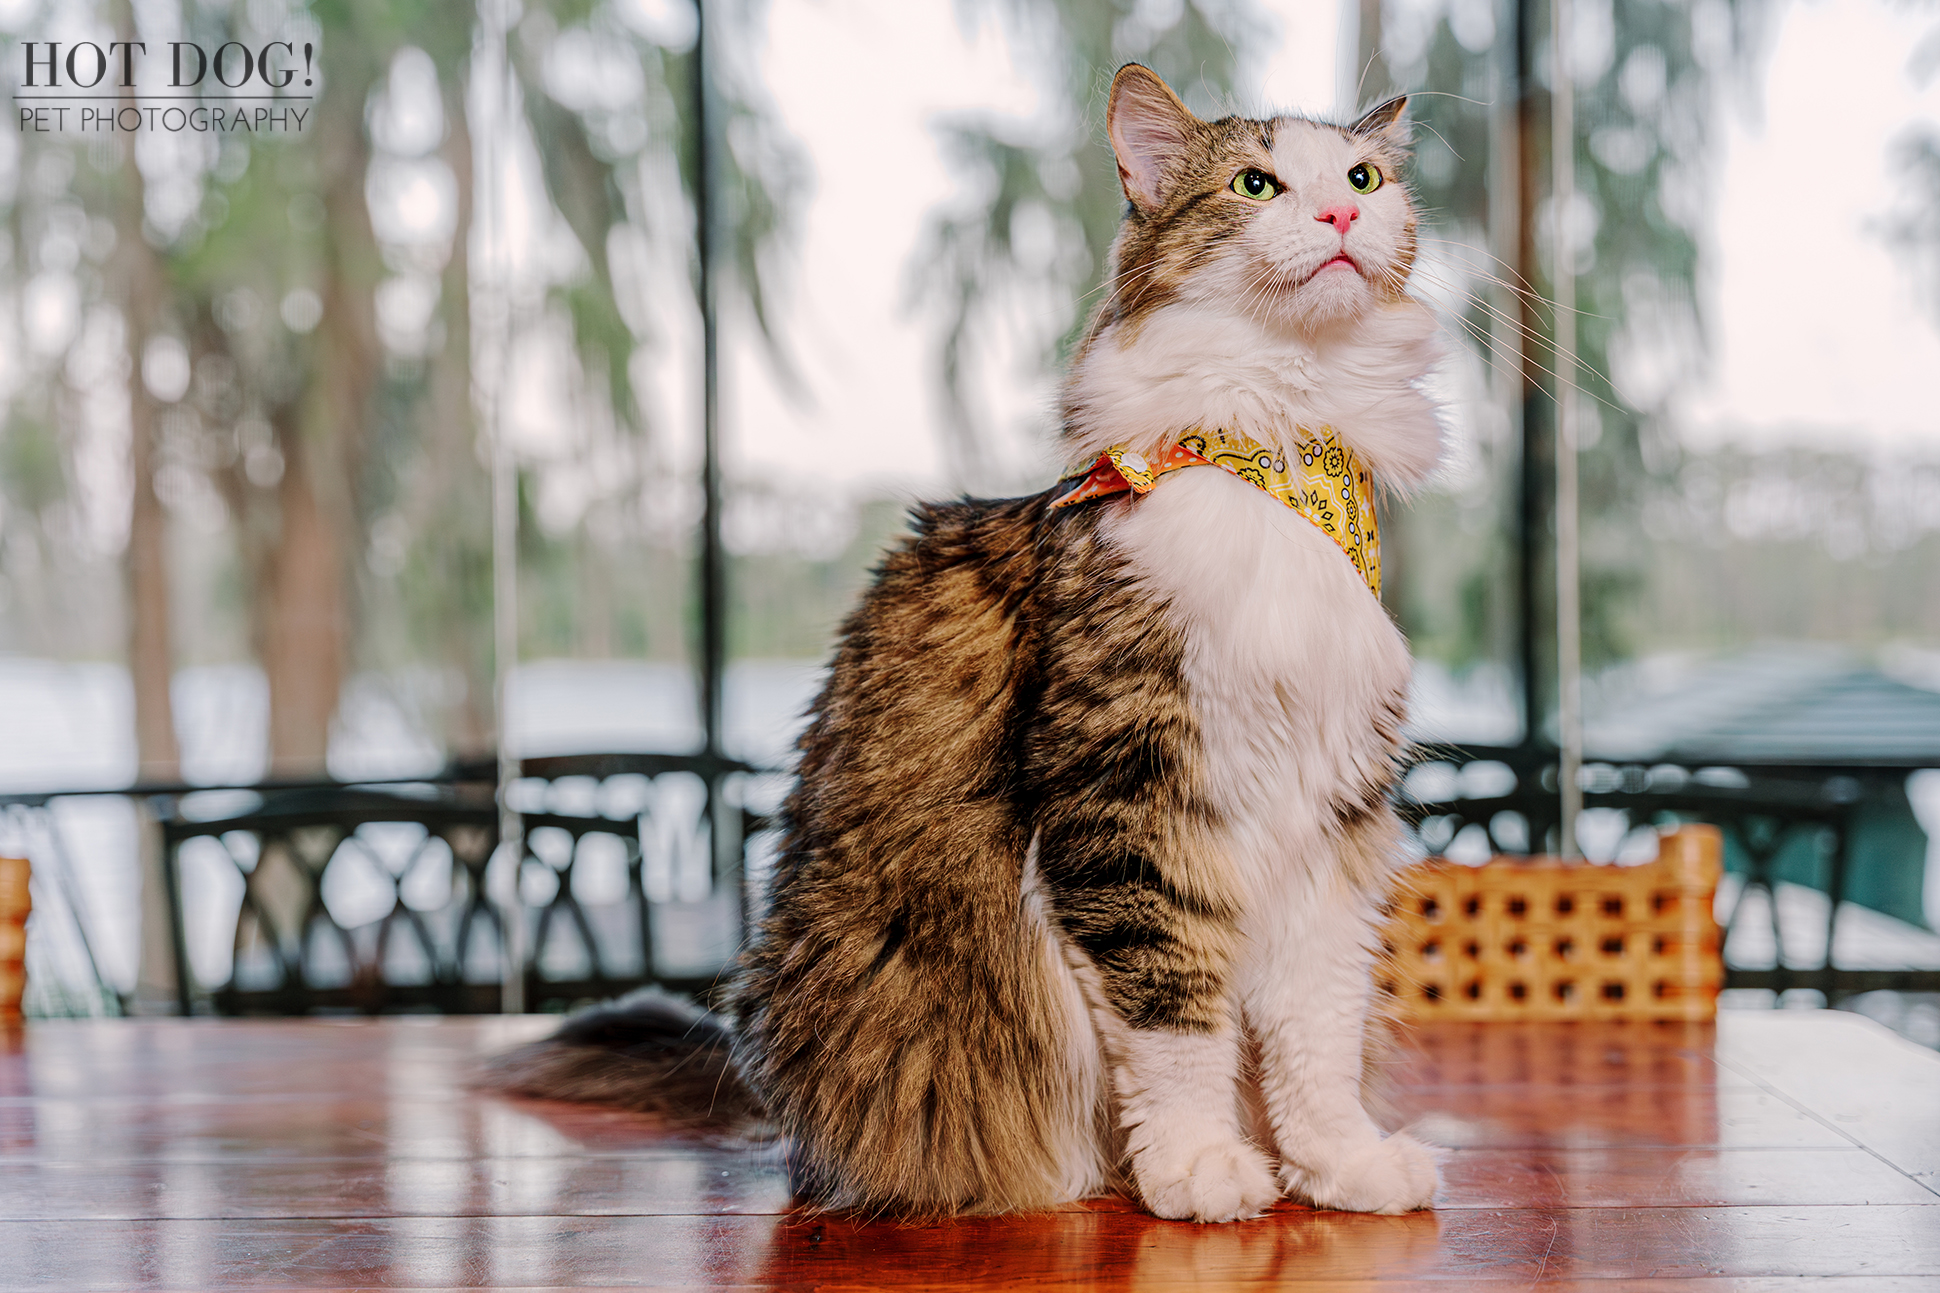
648 1052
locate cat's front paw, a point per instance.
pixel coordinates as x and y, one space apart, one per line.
1392 1175
1219 1182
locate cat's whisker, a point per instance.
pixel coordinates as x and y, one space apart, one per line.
1522 286
1489 346
1444 138
1252 291
1481 302
1488 337
1519 288
1122 281
1121 278
1532 355
1524 357
1491 343
1254 301
1533 298
1111 285
1448 94
1469 275
1530 334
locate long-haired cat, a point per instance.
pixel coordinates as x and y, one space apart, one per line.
1092 830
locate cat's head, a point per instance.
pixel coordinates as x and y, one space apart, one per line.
1294 222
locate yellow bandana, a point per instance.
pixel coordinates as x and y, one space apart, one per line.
1321 480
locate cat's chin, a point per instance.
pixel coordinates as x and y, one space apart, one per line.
1331 298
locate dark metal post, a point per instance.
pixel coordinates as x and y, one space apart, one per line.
1835 894
177 929
723 818
505 584
1505 212
637 880
713 569
1537 465
1568 588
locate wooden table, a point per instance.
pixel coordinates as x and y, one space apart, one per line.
228 1154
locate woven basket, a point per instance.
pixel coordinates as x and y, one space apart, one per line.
1534 939
15 903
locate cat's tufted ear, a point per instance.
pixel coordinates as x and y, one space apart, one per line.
1149 130
1384 119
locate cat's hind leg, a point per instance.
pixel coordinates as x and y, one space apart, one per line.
1307 989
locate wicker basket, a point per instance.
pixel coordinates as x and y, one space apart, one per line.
15 903
1540 939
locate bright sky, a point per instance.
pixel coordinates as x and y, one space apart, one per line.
1813 323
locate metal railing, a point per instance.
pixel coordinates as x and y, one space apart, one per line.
642 868
676 840
1510 793
288 898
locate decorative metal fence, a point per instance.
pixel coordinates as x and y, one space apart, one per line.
633 868
643 868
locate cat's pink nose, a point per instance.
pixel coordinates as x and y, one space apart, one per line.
1342 218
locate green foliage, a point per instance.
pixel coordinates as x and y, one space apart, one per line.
600 158
1916 229
789 606
31 463
584 187
406 484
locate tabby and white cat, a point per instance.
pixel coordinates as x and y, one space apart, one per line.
1085 862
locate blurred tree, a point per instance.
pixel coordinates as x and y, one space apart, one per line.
447 505
322 426
346 445
1647 76
291 243
151 656
608 94
1044 202
63 365
1916 226
607 101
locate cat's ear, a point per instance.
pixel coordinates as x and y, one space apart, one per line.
1384 120
1149 130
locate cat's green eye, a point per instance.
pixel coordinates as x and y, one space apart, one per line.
1365 178
1250 183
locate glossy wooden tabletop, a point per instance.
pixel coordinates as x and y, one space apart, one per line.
216 1155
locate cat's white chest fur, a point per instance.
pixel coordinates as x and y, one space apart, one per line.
1295 670
1290 662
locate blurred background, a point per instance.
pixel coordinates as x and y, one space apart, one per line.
534 413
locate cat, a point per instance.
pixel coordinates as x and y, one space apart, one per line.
1091 831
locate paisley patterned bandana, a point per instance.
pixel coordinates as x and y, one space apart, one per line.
1321 480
